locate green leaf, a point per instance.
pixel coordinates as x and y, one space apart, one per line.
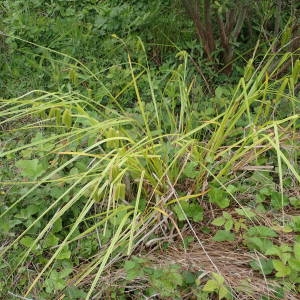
50 241
294 263
278 200
228 225
134 268
223 292
57 226
274 250
119 190
266 191
190 170
210 286
189 277
257 243
54 285
73 292
227 215
192 211
263 265
295 202
297 250
281 268
31 168
218 221
100 20
246 212
64 254
218 197
296 223
219 278
261 231
195 211
27 241
223 235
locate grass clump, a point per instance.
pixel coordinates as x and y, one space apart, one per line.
87 185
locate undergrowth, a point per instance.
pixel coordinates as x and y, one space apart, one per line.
95 191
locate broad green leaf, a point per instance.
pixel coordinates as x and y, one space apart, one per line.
283 252
297 250
73 292
195 211
245 211
227 215
57 226
30 168
100 20
64 254
274 250
134 268
278 201
119 190
50 241
257 243
228 225
54 285
190 170
210 286
192 211
294 263
296 223
295 202
223 292
223 235
27 241
219 221
281 268
218 197
265 266
261 231
219 278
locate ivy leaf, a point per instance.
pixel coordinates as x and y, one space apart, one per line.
31 168
281 268
223 235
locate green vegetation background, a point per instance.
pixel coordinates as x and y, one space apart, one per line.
137 127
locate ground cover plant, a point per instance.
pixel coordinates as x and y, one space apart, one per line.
130 180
